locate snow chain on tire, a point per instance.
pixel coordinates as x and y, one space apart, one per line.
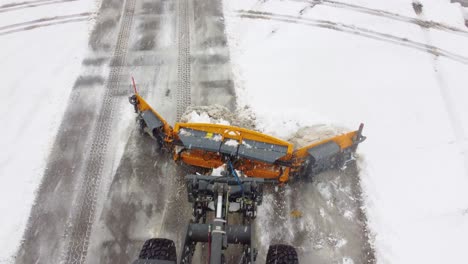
158 248
282 254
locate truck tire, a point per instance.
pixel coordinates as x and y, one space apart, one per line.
282 254
158 248
141 126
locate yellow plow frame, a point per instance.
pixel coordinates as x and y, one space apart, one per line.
252 153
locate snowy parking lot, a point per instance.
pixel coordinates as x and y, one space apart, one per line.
78 184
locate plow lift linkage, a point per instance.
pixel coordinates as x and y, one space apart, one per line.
257 157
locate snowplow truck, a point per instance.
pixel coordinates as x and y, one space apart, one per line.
249 160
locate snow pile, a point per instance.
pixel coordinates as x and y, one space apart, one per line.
299 136
217 114
347 62
310 134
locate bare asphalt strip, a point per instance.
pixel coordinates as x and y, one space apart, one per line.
147 197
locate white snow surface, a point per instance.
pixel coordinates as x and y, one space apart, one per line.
414 164
39 66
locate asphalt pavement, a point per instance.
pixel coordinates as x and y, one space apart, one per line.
95 205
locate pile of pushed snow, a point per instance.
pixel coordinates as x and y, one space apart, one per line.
310 134
217 114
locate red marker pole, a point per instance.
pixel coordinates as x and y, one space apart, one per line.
134 86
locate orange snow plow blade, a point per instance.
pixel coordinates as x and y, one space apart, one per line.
328 153
252 153
208 145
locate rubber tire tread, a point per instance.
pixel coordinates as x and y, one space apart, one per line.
282 254
158 248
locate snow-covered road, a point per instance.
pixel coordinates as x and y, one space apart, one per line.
147 196
39 66
101 189
75 205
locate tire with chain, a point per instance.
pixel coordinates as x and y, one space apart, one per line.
282 254
158 248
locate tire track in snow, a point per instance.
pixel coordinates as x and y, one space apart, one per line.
382 13
455 121
23 5
87 199
183 64
355 31
211 71
54 206
43 22
454 118
44 25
